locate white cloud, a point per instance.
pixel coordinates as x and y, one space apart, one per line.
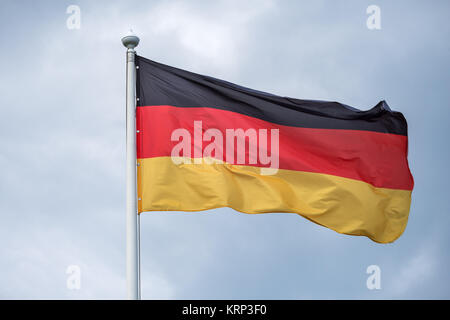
411 276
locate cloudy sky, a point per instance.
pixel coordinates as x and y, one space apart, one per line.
62 147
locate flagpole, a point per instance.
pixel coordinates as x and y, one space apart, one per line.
132 237
139 255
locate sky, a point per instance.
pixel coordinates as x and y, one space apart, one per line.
62 147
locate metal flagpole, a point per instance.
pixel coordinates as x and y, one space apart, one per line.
139 255
132 255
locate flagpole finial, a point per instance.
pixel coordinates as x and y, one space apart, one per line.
130 40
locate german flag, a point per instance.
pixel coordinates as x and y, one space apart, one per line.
205 143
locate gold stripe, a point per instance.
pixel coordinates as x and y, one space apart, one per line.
344 205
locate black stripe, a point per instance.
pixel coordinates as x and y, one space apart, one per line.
159 84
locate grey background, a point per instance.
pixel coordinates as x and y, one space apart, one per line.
62 143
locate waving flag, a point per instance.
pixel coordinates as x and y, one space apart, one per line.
204 143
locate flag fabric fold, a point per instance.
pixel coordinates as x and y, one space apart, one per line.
205 143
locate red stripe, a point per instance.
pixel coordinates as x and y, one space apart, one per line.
376 158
